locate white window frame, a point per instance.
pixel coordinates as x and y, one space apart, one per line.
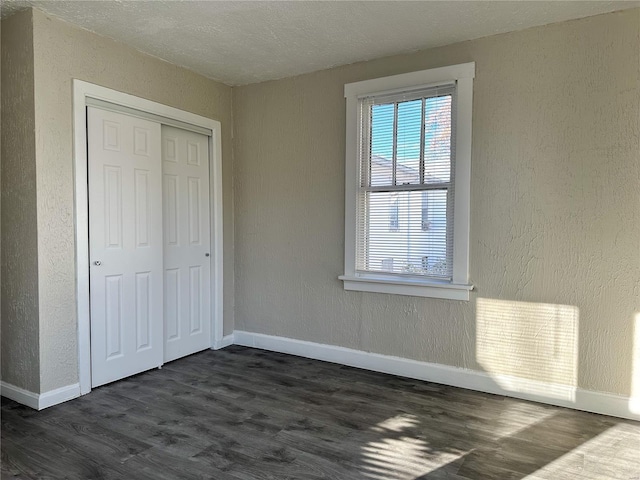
459 287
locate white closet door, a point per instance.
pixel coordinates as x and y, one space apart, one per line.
125 232
187 261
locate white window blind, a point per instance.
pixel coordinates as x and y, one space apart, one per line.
406 197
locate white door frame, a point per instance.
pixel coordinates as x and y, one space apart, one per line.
81 91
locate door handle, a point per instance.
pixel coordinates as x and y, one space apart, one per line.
97 263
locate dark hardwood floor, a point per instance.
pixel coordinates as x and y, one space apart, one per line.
243 414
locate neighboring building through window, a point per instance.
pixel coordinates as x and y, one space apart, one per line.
424 214
394 213
407 188
387 264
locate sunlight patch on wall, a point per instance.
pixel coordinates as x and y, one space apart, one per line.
399 452
529 347
634 401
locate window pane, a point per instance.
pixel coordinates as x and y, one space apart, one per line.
409 248
382 118
408 142
437 139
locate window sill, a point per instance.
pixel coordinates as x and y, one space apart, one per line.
411 287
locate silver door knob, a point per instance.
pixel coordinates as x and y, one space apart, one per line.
97 263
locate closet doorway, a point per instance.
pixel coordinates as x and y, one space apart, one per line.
150 285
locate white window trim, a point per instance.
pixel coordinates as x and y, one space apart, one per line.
459 287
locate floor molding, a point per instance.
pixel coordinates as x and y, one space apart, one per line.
224 342
552 394
20 395
59 395
40 401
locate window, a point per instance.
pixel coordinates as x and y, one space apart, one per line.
408 165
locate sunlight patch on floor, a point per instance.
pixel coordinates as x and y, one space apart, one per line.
397 423
604 456
518 417
402 458
399 453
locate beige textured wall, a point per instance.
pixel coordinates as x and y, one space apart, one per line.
61 53
555 234
18 220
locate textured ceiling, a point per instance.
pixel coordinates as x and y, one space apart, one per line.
240 42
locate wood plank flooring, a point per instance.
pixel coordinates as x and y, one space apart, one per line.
245 414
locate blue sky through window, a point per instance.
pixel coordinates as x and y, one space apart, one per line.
437 126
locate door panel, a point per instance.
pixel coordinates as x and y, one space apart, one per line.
187 273
143 310
126 246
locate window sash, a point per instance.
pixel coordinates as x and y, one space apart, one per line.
377 241
368 240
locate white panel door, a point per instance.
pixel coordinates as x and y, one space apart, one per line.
125 242
187 260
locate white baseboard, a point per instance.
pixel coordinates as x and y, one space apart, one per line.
552 394
20 395
226 341
39 401
59 395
